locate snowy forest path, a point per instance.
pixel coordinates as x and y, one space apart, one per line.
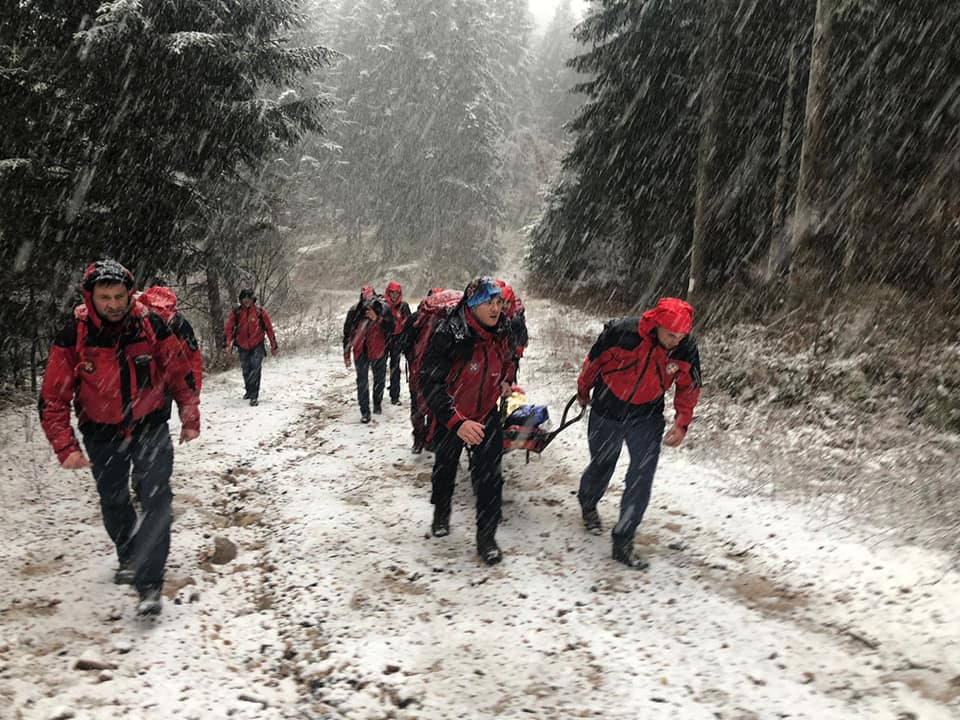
751 604
303 581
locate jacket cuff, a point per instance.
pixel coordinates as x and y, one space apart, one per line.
190 417
64 453
455 421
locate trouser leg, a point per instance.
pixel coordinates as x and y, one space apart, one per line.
110 460
487 477
256 368
605 438
152 453
395 371
379 381
446 460
363 384
643 444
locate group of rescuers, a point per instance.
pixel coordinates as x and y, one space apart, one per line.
125 357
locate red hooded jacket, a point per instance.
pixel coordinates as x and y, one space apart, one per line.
247 326
629 371
115 375
364 337
399 309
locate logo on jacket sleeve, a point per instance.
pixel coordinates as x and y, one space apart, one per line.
473 366
673 368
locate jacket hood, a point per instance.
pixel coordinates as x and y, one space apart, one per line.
394 286
672 314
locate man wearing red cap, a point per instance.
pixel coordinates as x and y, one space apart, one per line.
629 369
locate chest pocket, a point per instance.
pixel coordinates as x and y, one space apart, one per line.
143 365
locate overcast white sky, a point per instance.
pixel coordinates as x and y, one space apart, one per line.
543 9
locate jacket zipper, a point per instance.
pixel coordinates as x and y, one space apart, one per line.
126 395
663 385
483 376
646 364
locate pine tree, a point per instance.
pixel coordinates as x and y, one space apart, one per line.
137 118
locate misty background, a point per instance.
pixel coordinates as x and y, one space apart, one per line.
793 164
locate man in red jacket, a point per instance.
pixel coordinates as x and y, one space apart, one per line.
366 331
467 368
400 311
116 363
629 369
246 328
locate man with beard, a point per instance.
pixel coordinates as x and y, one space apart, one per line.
116 363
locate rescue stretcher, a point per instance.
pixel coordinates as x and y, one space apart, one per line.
529 432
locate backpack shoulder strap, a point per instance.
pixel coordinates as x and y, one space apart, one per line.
81 336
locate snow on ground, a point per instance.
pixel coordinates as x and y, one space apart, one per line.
338 604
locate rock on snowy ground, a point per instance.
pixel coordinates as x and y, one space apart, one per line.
303 581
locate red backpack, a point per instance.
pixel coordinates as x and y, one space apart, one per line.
162 301
429 313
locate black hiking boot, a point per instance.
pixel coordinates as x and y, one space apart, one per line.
487 548
254 402
365 418
417 447
124 574
394 401
440 527
150 603
246 395
377 410
591 521
623 553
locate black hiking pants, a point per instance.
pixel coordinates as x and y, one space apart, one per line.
486 472
395 354
379 367
144 459
251 362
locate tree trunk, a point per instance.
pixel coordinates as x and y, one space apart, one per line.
779 244
217 317
805 273
710 99
856 234
34 340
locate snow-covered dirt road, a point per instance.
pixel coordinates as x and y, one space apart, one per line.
303 581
